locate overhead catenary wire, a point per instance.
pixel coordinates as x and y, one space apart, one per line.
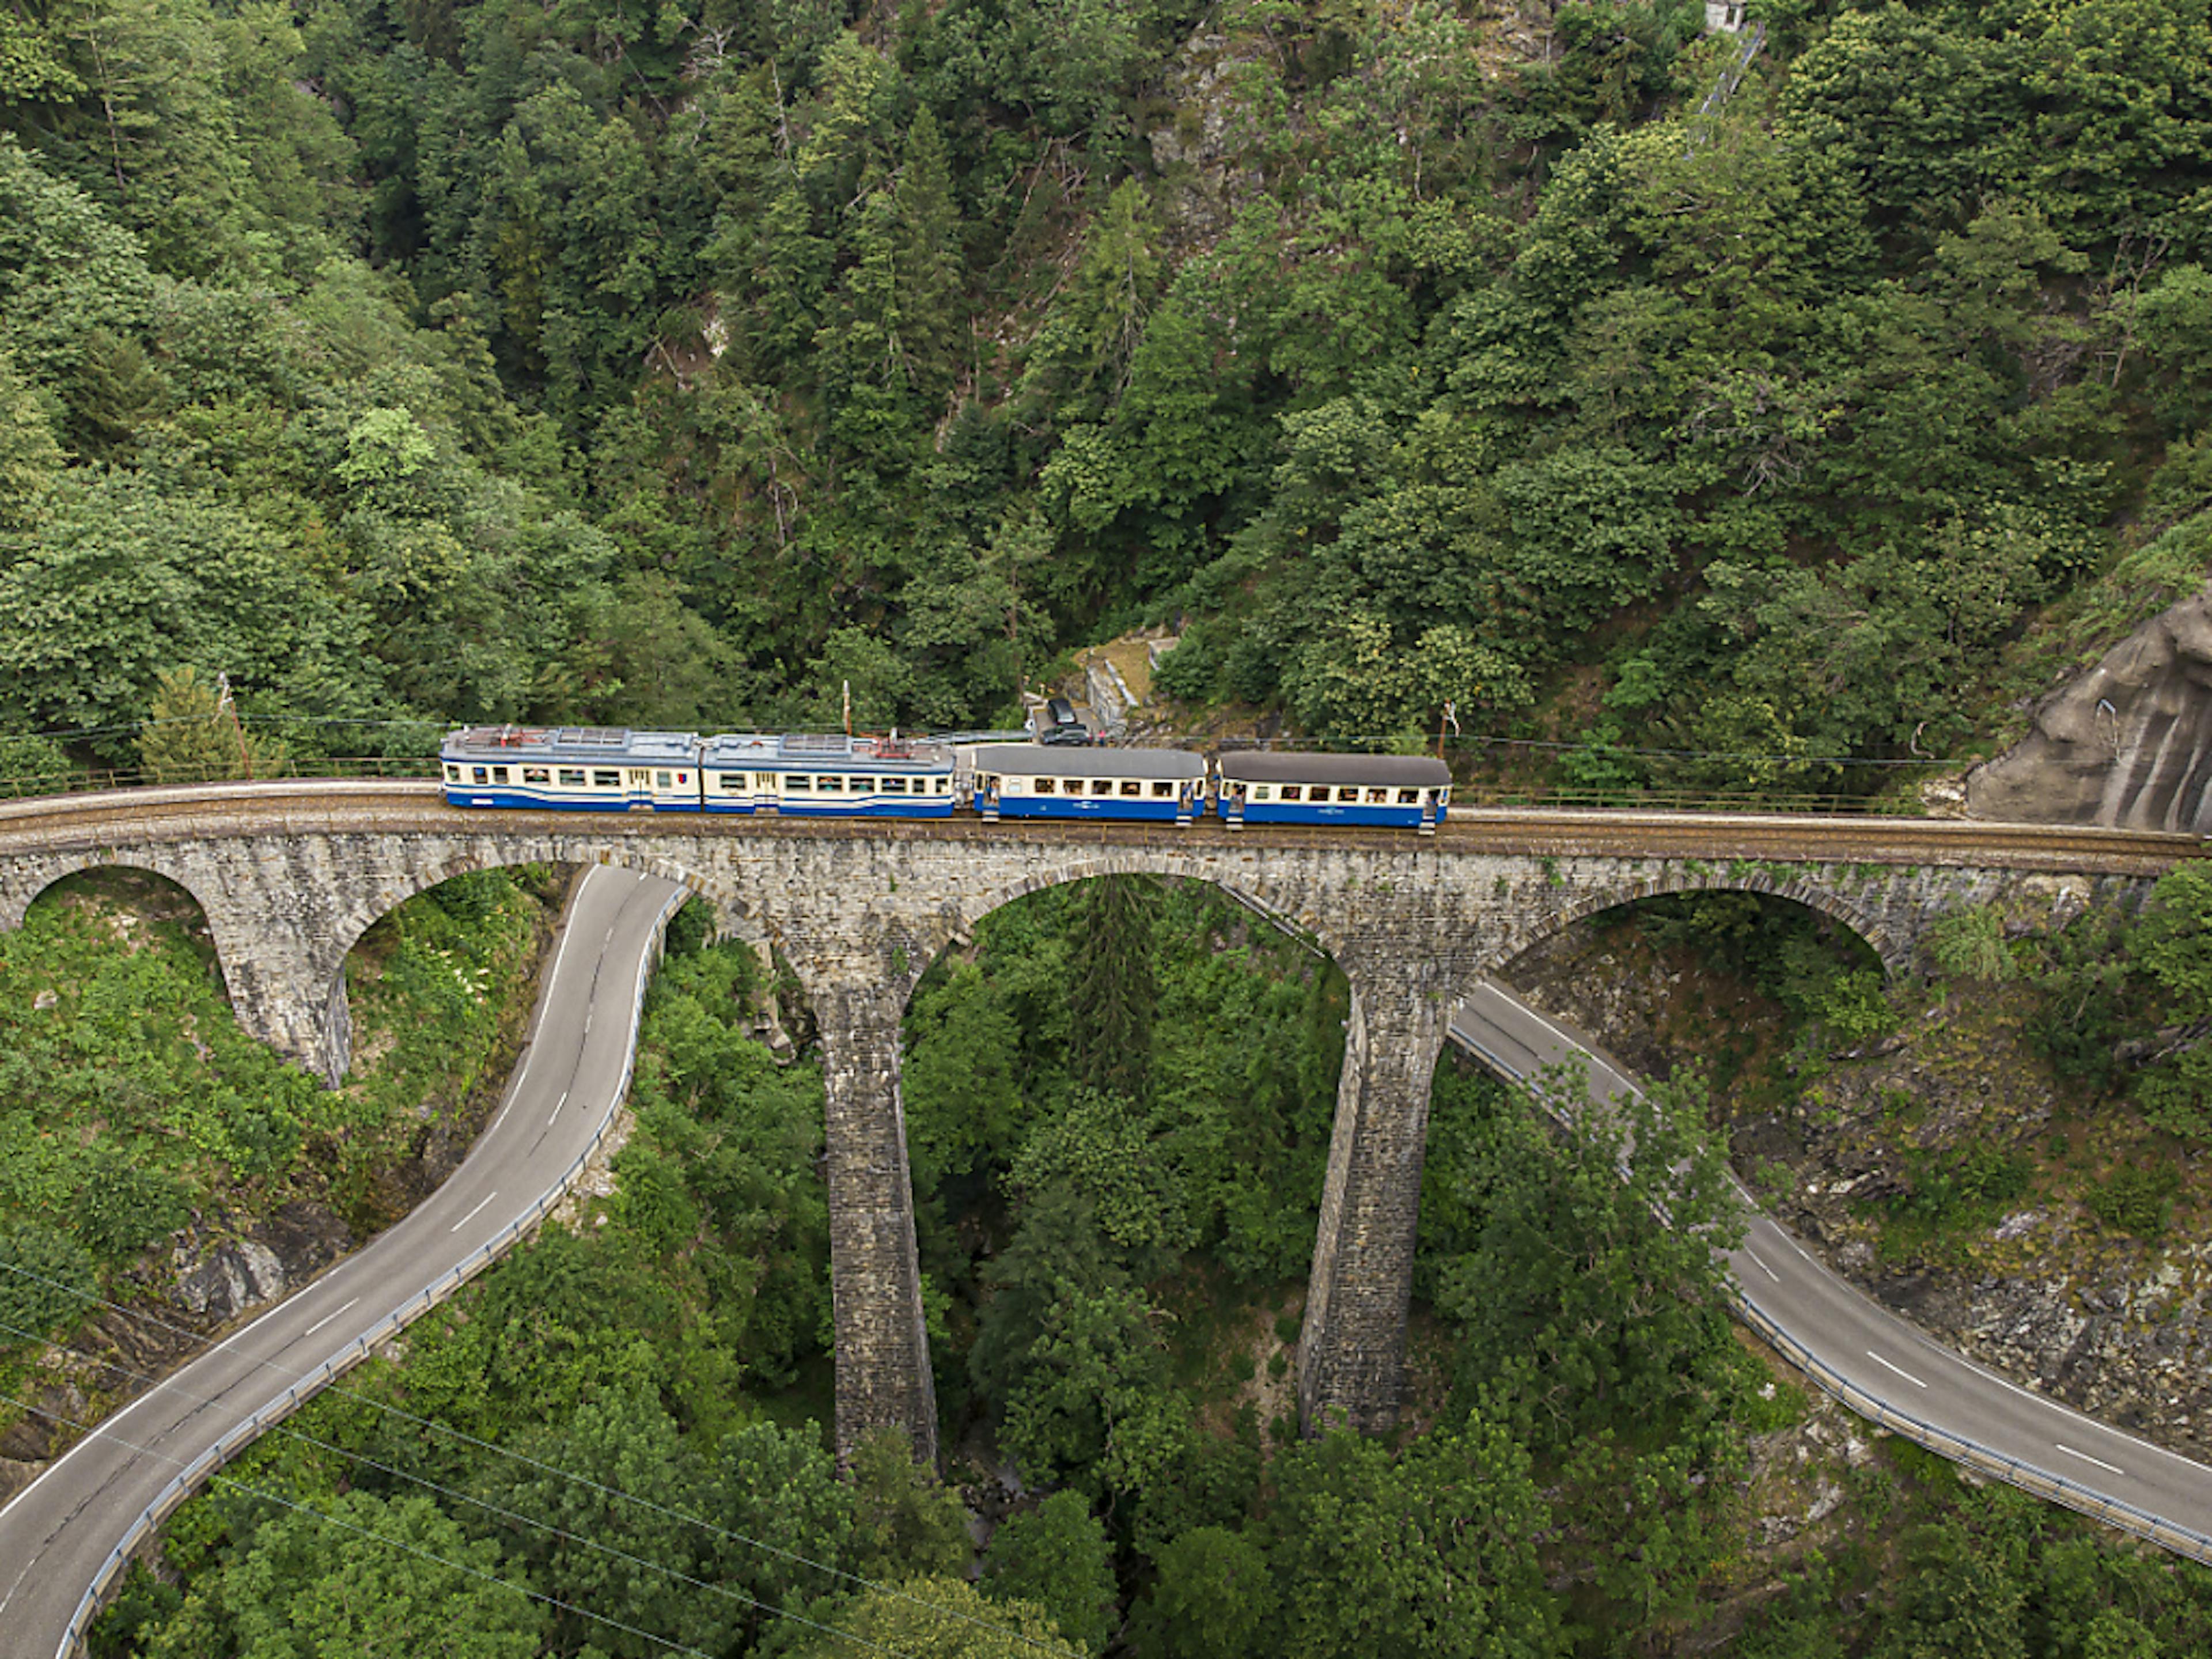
278 1498
462 1438
1355 740
363 1459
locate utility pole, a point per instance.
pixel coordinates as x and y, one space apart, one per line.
238 729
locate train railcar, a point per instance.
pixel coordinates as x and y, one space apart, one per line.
1404 791
1033 781
571 768
826 775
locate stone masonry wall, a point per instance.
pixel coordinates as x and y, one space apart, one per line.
860 911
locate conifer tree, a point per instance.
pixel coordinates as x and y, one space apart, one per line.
1113 991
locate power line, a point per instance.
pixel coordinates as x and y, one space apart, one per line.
462 1438
366 1461
1364 740
220 1479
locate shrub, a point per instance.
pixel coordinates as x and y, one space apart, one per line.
46 1282
2133 1200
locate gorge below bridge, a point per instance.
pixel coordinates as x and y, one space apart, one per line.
289 876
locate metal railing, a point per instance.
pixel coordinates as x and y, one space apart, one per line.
2029 1478
208 1463
85 780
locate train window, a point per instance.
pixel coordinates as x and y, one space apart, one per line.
830 784
1294 792
606 780
861 786
1347 794
1409 798
1378 797
1042 785
798 782
732 782
664 781
1132 787
499 774
893 786
481 776
572 777
536 775
1162 790
452 775
1101 786
1263 791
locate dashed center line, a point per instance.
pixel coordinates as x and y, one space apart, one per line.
1899 1369
558 1104
327 1317
2109 1468
472 1214
1763 1267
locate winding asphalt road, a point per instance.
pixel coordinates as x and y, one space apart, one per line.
56 1535
1857 1348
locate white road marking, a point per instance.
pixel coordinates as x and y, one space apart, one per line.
1763 1267
1899 1369
472 1214
2108 1468
557 1105
326 1318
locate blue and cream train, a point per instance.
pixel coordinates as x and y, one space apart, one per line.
600 770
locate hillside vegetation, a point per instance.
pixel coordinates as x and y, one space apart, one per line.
687 363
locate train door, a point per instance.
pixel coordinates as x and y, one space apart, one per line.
637 788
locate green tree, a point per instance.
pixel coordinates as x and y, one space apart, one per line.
1056 1556
191 736
941 1617
30 459
906 1523
377 1580
1112 990
1423 1555
1212 1598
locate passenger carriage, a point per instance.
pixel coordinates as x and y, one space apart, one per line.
1400 791
572 767
1032 781
828 775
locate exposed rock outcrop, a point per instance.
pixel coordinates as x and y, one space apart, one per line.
2128 743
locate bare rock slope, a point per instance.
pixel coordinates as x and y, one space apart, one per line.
2128 743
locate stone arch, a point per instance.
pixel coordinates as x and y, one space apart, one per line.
1894 955
373 902
17 896
1276 906
15 902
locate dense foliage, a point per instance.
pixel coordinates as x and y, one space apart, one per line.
131 1105
688 364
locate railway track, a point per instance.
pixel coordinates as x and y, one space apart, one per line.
61 823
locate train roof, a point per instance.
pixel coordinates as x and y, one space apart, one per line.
1036 760
603 743
807 750
1407 771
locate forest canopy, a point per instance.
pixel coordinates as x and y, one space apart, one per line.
688 364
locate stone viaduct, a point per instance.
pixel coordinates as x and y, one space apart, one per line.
290 875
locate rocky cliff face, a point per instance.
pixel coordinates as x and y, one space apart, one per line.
2128 743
